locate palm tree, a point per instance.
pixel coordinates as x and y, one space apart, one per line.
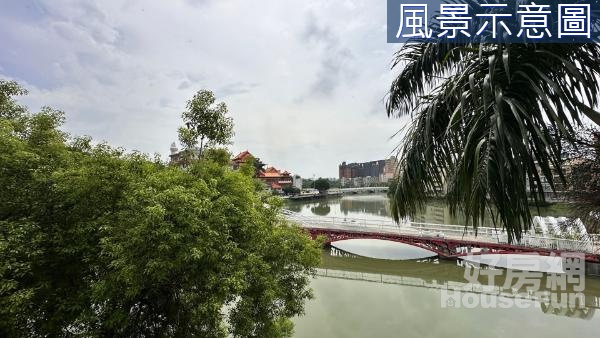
487 123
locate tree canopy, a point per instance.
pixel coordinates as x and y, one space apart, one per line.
205 122
95 241
256 163
487 121
322 184
290 190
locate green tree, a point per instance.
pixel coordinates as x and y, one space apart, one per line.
321 184
98 242
259 165
290 190
205 122
9 109
256 163
333 183
487 122
308 183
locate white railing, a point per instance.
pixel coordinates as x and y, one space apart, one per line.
342 190
482 234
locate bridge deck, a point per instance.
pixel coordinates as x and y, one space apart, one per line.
445 240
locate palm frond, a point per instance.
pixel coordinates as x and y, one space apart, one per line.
487 124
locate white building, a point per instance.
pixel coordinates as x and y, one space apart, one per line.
370 180
297 181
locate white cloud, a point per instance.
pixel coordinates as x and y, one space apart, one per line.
304 81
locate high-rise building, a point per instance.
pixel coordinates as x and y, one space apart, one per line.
380 171
389 169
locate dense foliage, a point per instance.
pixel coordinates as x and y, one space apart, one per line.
322 184
97 242
308 183
488 120
290 190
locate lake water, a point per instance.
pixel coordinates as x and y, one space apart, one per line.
377 207
357 296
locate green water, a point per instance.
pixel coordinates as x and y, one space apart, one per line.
364 297
376 206
356 308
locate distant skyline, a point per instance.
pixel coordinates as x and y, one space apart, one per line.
304 81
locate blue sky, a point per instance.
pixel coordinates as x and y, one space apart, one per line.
304 81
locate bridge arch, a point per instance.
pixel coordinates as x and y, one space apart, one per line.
443 247
382 249
437 247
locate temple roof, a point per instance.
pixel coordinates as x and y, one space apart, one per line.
241 156
273 172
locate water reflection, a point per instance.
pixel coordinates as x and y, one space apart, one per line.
357 296
362 297
435 274
321 209
365 204
376 206
381 249
295 206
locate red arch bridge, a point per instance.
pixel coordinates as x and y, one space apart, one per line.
447 241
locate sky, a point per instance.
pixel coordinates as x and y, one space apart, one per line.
305 81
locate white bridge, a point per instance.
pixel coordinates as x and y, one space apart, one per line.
357 190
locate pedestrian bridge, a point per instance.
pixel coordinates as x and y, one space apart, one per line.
447 241
357 190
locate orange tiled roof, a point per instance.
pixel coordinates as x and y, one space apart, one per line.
242 156
273 172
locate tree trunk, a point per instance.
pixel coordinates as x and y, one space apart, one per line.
201 145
